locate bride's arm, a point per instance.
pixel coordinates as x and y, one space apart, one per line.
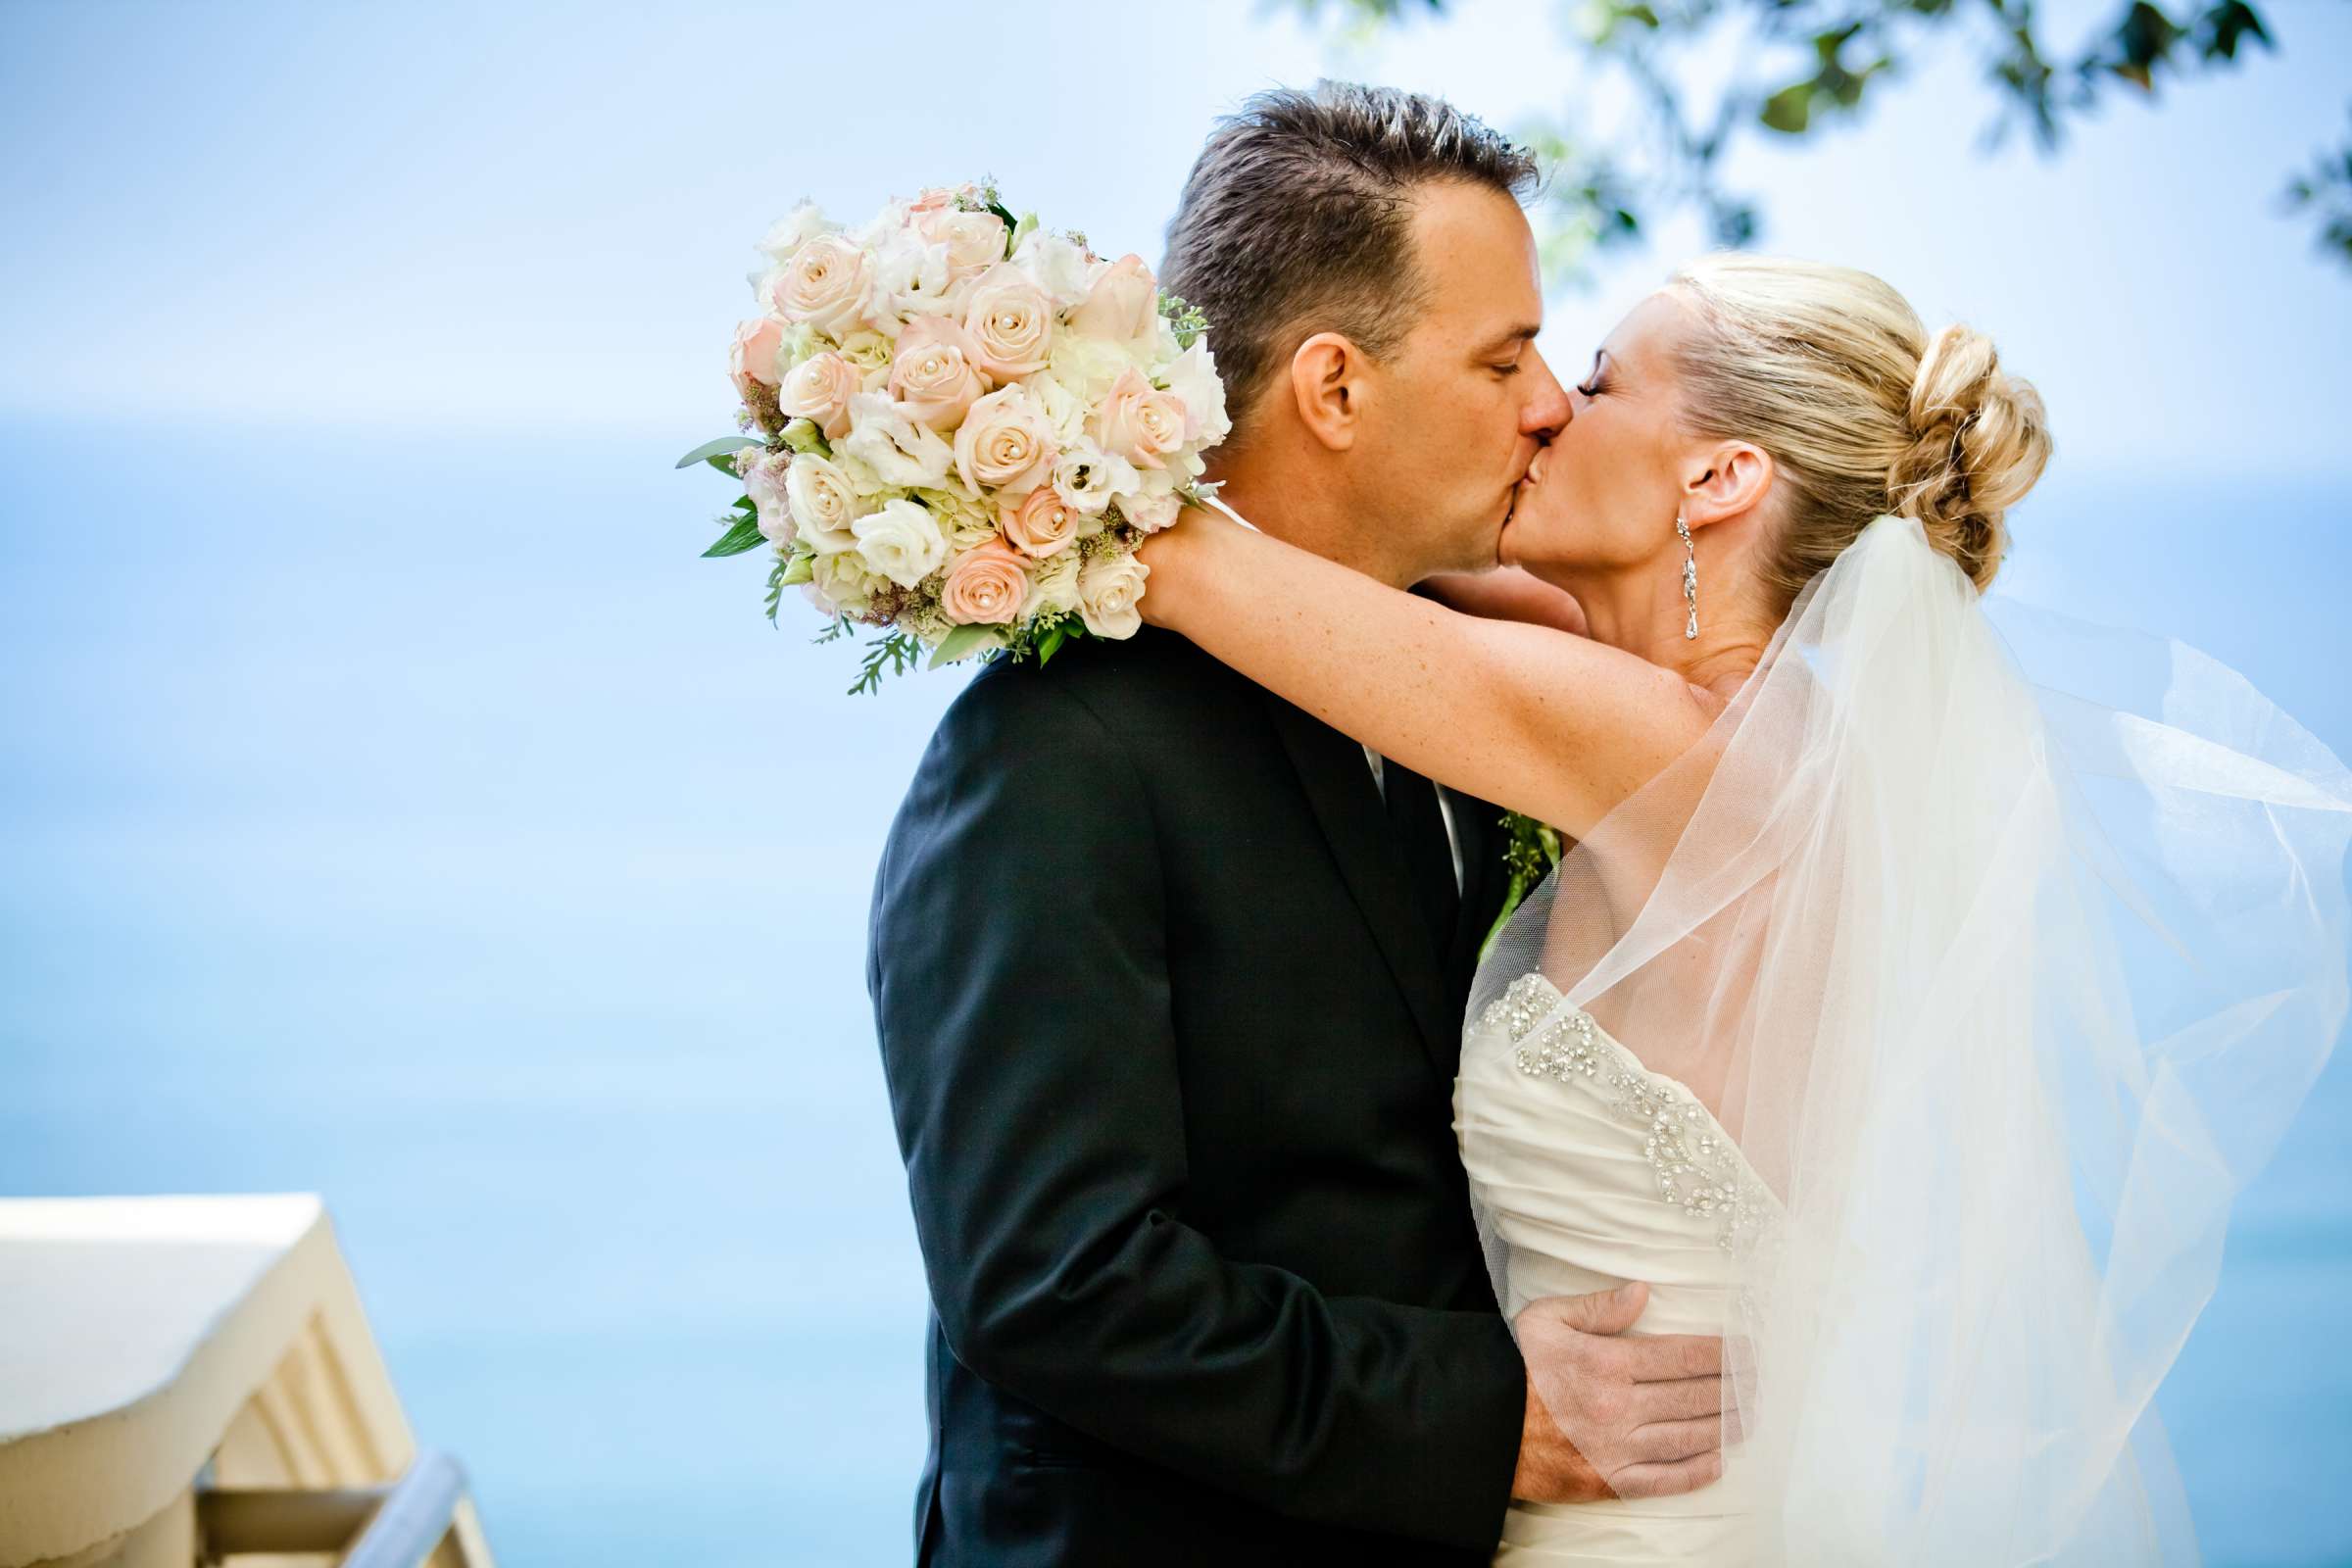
1507 592
1532 718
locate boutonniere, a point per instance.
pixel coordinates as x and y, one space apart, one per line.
1530 850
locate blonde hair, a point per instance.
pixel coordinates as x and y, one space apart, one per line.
1832 372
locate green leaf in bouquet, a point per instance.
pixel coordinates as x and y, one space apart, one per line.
724 447
745 535
963 641
747 505
1051 644
799 570
1020 231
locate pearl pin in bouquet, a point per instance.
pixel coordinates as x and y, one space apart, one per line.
957 426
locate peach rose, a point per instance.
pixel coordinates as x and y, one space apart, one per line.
1139 422
828 284
988 585
935 373
1005 443
1011 320
752 357
1041 523
820 389
1122 304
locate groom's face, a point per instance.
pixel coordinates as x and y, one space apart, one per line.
1468 400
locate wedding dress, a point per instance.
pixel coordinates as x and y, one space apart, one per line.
1914 1033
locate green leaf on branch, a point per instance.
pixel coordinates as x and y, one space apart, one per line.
1791 109
962 640
725 447
745 535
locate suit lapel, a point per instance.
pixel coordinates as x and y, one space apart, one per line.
1473 827
1347 802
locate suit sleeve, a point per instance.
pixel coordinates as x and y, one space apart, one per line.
1019 975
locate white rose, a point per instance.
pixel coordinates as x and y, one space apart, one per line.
1053 584
1090 367
793 230
902 541
1056 266
900 452
1192 378
1108 587
825 504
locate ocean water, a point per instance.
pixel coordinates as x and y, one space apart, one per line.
412 818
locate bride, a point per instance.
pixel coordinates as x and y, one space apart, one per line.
1916 991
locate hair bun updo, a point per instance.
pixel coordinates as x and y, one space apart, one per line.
1978 440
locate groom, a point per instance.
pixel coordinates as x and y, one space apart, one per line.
1170 977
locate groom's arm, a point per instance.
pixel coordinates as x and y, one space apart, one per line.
1021 997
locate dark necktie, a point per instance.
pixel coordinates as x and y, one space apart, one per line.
1420 829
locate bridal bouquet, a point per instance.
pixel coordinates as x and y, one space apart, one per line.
957 426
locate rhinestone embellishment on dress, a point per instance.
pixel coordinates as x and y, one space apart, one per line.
1697 1169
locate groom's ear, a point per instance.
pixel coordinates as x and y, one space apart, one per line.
1327 389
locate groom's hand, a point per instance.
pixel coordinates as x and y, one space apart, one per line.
1608 1416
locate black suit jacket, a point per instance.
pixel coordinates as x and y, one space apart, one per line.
1170 1054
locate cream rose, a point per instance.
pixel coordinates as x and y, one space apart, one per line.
894 448
935 372
841 583
752 357
988 586
1108 587
973 240
902 541
820 389
1041 523
1011 321
1122 306
1005 443
825 504
1139 422
828 284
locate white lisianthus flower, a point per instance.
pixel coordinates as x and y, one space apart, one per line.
1108 587
825 504
1088 478
1151 510
1056 266
902 541
912 277
900 452
1192 378
795 230
764 481
1053 584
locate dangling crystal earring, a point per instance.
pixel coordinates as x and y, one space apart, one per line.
1690 577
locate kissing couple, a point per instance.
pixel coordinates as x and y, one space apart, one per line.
1823 1163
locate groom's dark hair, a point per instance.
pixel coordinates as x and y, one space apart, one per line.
1296 219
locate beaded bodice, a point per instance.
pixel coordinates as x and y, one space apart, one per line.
1594 1169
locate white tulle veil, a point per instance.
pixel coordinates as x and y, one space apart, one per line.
2005 951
